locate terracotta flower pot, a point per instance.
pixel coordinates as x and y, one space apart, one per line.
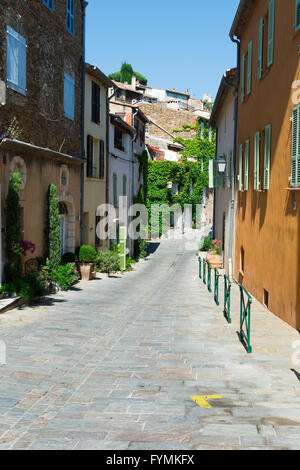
86 271
216 261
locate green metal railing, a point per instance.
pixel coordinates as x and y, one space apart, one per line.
245 319
216 289
227 294
200 267
209 277
204 271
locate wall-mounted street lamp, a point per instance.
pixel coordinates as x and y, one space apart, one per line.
221 164
170 185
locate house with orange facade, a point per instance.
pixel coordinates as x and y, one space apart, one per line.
267 205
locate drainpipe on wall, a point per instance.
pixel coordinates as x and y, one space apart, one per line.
215 192
84 5
232 209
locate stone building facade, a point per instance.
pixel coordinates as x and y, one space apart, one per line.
41 67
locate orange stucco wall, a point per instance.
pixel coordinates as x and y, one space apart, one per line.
267 223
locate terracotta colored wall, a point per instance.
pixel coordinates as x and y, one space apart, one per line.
267 225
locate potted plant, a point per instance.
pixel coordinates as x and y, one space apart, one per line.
214 256
87 258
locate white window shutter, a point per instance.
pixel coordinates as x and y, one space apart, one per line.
246 174
267 157
211 173
241 168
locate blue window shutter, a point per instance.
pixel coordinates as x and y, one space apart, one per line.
271 30
16 61
297 15
70 16
69 97
49 4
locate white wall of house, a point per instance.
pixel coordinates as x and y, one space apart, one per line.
225 124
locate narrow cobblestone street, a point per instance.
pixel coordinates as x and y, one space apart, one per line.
114 366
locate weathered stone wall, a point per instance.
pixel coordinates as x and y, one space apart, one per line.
51 51
169 119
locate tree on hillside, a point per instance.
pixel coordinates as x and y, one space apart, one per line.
126 73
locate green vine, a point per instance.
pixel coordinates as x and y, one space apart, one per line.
54 248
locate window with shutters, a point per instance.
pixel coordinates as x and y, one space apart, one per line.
16 61
260 57
267 156
295 158
101 158
257 161
49 4
271 31
297 17
115 190
246 171
95 103
70 16
90 157
249 71
118 140
241 168
243 78
69 97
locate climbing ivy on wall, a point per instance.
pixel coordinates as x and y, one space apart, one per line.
54 247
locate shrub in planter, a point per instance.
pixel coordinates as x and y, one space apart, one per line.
207 244
87 258
108 262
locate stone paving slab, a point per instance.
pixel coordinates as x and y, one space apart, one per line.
113 363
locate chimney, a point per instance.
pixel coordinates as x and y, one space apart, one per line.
133 82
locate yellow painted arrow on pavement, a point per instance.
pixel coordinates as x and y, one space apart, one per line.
201 400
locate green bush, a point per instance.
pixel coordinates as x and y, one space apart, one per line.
65 276
140 248
108 262
87 254
207 244
28 287
68 258
129 263
53 228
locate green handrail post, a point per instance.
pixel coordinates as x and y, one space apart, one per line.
209 277
245 319
200 267
216 289
227 294
204 271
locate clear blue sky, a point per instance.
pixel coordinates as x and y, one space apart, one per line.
175 44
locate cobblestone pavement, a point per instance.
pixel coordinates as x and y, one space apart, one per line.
113 366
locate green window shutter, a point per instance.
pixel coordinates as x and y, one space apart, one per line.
267 158
115 189
246 173
243 78
249 74
295 163
218 179
241 168
256 160
297 20
260 48
271 29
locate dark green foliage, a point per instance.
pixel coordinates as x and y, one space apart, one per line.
29 287
140 248
54 248
125 75
108 262
13 232
65 276
87 254
129 263
68 258
207 244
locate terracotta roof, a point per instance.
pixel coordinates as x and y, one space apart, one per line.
123 86
134 106
227 83
96 73
241 17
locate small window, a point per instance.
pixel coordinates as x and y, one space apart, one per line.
49 4
16 61
266 298
242 260
69 96
118 142
70 16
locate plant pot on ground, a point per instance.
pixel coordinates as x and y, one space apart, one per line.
214 256
87 258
